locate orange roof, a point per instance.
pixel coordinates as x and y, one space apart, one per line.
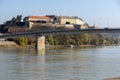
39 17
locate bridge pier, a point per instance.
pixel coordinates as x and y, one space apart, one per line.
40 44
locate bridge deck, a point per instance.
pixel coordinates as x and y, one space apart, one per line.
60 32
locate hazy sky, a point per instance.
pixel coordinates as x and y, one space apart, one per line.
100 12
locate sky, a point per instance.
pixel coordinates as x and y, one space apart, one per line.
102 13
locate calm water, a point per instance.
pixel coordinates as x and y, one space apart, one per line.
60 64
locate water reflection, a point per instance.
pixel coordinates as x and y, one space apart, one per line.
21 64
41 51
60 64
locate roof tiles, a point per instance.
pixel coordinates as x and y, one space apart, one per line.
39 17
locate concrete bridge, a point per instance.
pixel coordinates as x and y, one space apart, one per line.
40 35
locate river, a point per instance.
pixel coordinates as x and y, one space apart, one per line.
60 64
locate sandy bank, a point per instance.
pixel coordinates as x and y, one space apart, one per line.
8 44
118 78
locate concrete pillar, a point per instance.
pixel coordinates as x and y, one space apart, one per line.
40 44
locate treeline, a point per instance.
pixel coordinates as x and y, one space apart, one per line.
14 22
81 39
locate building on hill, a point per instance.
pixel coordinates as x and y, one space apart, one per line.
50 20
77 22
71 20
30 20
54 19
37 18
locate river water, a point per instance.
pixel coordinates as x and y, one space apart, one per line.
60 64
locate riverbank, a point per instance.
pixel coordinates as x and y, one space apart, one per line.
118 78
77 46
8 44
13 44
69 46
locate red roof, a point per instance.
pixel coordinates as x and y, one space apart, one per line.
39 17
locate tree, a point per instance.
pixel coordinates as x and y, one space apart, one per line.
51 40
22 41
19 18
86 38
66 39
